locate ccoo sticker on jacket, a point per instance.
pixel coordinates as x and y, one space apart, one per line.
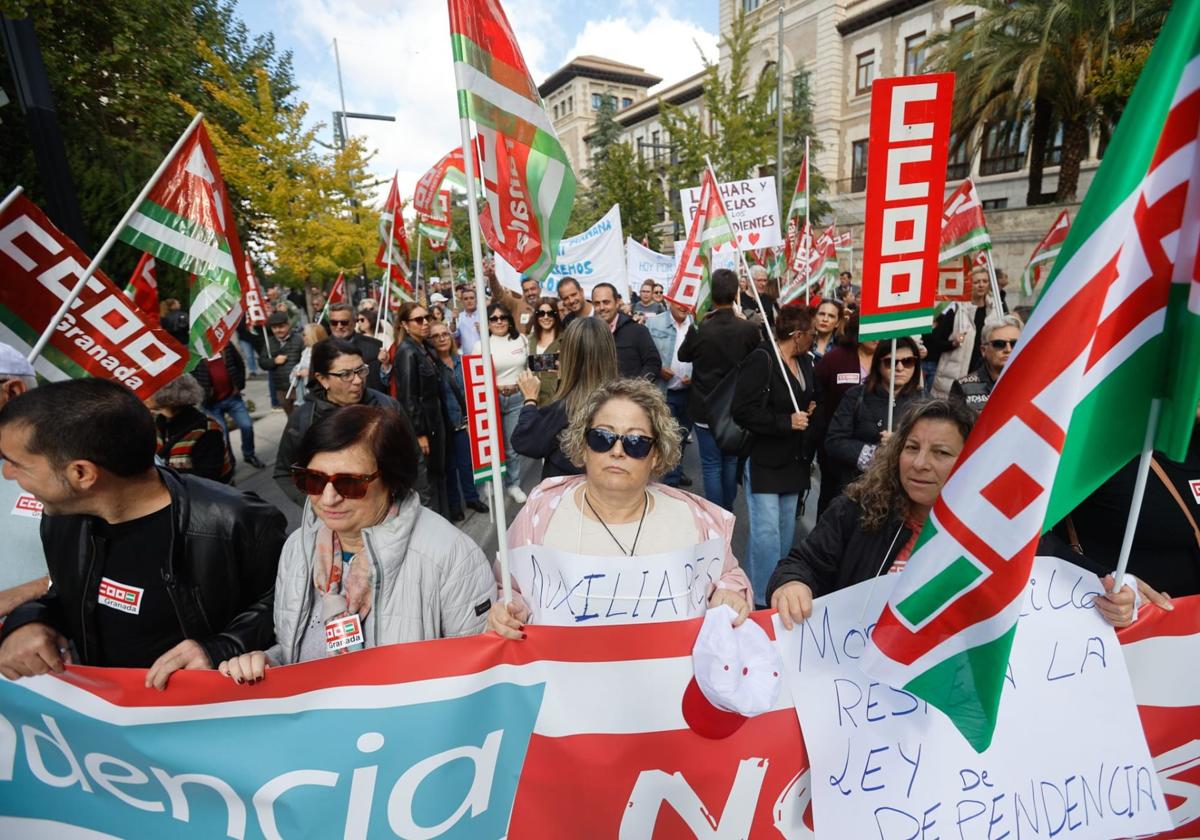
27 505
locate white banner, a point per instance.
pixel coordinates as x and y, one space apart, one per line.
569 590
642 264
720 259
594 256
1069 751
753 209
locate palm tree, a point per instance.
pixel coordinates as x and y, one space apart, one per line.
1041 59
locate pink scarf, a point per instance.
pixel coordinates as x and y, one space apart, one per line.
356 584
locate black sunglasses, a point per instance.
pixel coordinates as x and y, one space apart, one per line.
334 323
1002 344
420 319
347 485
907 362
635 446
546 313
496 319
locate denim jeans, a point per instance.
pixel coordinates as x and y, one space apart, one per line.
930 370
719 469
677 401
249 356
460 479
235 406
772 529
510 410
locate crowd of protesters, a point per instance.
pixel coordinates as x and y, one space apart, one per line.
600 392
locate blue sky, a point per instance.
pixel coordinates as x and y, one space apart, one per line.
395 57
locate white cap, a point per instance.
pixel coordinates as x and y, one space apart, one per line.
12 363
738 668
437 297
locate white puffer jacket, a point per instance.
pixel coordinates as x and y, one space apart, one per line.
430 581
956 363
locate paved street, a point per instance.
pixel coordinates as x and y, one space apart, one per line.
269 425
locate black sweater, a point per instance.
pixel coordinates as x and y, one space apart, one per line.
536 436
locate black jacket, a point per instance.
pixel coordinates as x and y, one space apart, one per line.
536 436
637 357
419 392
779 458
974 388
292 347
859 421
316 407
714 348
233 365
219 573
369 348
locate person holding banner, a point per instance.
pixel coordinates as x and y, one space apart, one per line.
510 356
150 568
369 565
460 479
873 528
522 306
954 337
416 387
859 425
279 354
623 436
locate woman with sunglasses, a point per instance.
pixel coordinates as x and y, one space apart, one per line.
859 425
623 436
544 339
338 379
777 468
999 338
369 565
460 479
510 355
415 385
826 320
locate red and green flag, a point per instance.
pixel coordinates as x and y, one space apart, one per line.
187 221
1115 330
393 253
692 286
436 226
526 176
142 287
1045 253
963 227
797 216
338 293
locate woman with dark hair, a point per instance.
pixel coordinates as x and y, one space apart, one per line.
873 528
338 378
826 319
860 423
776 471
510 355
369 566
460 480
416 387
545 336
189 440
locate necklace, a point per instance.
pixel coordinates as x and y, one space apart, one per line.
632 548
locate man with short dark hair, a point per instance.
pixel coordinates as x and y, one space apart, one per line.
150 568
637 357
714 348
341 325
279 354
521 305
571 294
467 333
646 305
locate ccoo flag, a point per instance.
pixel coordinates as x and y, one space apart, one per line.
527 179
187 221
692 288
963 227
1045 252
1116 327
142 287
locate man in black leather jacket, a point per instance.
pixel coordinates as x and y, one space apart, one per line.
150 568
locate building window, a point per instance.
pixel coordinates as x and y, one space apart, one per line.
1054 144
865 72
962 22
556 111
1004 146
571 104
597 99
958 165
749 5
858 166
654 140
800 91
626 102
914 54
994 203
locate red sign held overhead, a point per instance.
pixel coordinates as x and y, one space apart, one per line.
906 180
252 298
478 430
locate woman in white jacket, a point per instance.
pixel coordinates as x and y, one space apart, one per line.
368 566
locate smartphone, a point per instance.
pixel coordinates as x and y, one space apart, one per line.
543 362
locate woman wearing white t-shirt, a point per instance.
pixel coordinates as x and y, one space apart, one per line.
510 354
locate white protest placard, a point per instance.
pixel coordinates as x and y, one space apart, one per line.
753 209
595 256
720 259
565 589
642 264
1068 759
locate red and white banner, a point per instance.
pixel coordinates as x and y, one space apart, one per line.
142 287
906 178
338 293
426 190
478 430
102 334
954 280
252 297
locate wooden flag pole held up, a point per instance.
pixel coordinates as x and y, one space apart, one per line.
112 239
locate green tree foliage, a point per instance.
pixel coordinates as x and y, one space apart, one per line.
1058 62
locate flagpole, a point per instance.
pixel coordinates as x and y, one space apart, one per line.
10 198
387 277
758 300
419 295
999 310
1139 492
112 240
892 388
485 349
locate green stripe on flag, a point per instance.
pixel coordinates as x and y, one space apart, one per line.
52 364
967 688
895 325
939 589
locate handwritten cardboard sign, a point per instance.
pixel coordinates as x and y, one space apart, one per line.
565 589
753 209
1069 758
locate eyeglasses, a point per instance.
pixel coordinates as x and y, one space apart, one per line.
347 375
346 485
635 446
546 313
1003 344
497 319
908 362
420 319
334 323
439 336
